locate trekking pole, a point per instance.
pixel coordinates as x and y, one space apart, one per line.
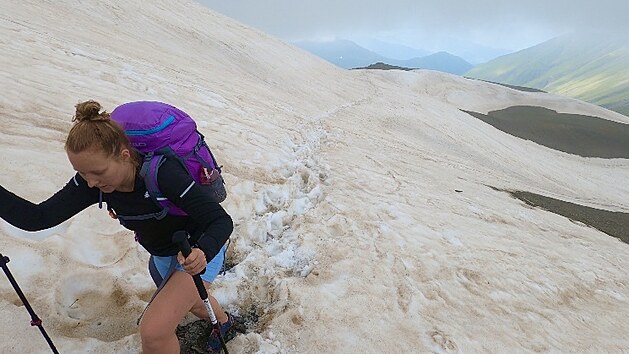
181 238
35 321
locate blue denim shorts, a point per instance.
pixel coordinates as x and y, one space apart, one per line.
211 271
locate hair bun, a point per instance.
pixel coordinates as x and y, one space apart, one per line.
89 110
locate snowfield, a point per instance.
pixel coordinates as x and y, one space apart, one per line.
365 203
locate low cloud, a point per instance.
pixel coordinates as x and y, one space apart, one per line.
490 22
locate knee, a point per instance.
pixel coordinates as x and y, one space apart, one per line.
153 336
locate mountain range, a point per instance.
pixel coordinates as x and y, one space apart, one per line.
349 55
591 67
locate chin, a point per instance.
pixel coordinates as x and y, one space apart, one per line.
107 189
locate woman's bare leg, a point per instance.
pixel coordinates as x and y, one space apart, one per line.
172 303
178 297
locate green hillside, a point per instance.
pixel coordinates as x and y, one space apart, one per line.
592 68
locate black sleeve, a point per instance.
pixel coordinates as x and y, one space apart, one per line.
215 224
69 201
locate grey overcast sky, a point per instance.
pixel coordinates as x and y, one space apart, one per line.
428 24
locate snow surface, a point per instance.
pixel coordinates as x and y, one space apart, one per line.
350 236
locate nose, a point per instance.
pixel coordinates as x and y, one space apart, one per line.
91 182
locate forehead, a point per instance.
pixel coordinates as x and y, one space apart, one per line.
88 160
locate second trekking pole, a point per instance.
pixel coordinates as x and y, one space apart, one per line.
181 238
35 321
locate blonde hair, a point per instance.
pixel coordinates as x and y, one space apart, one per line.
95 129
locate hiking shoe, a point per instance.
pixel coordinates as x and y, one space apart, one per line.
214 343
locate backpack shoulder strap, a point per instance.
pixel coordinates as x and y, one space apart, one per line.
148 172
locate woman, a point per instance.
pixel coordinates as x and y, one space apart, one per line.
108 170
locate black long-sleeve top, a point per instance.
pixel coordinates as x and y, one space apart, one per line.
207 222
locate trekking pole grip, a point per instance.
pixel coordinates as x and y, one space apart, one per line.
181 238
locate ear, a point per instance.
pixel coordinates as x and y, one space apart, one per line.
125 154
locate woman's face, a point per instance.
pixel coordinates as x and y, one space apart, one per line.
107 173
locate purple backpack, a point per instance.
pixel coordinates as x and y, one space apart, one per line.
158 130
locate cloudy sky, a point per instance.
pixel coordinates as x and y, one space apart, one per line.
428 24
